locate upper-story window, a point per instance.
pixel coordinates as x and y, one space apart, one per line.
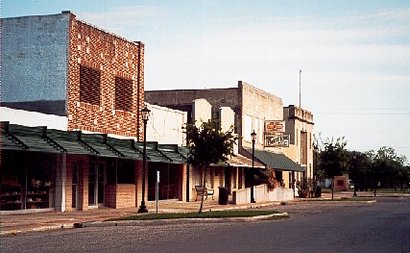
123 94
90 82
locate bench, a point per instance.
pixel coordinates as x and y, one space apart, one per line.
200 191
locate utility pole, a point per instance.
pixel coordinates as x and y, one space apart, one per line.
300 88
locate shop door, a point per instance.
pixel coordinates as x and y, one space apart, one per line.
96 185
74 192
101 183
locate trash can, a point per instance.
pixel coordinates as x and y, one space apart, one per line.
223 196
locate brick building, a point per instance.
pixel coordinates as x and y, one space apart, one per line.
59 65
62 73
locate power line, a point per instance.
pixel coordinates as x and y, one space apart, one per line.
361 113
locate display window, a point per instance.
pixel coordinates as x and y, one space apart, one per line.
27 180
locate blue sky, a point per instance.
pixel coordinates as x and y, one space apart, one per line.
354 55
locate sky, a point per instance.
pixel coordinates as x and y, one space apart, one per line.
354 55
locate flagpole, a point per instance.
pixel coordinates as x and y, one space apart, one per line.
300 88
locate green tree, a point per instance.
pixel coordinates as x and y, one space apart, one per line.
333 158
359 166
403 178
208 144
386 167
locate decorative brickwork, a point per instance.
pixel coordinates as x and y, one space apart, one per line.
114 57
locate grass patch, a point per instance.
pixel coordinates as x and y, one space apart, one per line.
195 215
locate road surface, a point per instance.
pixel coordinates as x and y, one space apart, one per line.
313 227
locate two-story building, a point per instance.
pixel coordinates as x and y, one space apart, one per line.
255 111
72 95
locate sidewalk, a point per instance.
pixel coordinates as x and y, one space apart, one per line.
40 221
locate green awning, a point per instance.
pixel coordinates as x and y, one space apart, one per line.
275 160
172 153
153 154
17 137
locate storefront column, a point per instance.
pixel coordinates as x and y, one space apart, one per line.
83 184
60 183
183 182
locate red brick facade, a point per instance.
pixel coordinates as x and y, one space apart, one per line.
113 57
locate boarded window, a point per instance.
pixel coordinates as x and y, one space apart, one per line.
123 94
90 80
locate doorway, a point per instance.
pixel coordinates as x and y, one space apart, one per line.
96 183
74 187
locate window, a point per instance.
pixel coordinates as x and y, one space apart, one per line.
90 80
123 94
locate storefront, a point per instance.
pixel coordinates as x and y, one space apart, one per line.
50 169
27 180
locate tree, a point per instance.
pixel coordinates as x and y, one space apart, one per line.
386 167
359 166
403 178
333 159
208 144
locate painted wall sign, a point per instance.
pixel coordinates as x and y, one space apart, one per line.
274 126
278 140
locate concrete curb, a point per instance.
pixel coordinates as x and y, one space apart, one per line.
176 221
37 229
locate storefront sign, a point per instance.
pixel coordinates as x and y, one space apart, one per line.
278 140
274 126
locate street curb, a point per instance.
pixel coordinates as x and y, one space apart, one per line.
37 229
176 221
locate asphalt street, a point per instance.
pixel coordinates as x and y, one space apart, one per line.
313 227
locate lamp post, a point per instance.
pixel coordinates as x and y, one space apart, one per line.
253 135
145 115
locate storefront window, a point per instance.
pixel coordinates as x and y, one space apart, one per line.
27 181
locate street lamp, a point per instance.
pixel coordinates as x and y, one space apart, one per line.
145 115
253 135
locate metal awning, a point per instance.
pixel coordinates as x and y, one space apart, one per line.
172 152
242 161
275 160
17 137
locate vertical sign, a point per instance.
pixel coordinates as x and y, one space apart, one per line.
157 191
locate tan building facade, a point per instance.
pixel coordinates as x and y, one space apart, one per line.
252 108
299 125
